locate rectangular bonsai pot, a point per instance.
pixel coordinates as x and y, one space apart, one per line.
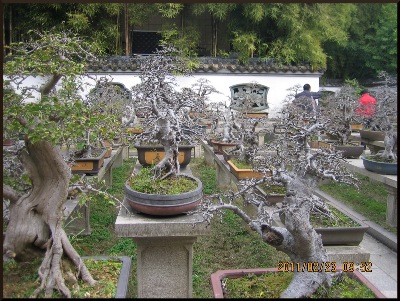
218 277
244 173
88 165
152 154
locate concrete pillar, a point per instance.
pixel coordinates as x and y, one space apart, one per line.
391 211
164 251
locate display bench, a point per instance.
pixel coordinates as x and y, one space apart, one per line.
390 183
76 215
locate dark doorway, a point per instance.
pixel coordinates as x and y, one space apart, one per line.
145 42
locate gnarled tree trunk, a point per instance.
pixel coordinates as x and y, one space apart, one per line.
36 218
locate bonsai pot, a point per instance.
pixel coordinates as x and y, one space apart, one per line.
372 135
8 142
331 236
161 204
255 114
269 198
217 279
219 146
244 173
319 144
356 127
134 130
150 154
384 168
228 156
350 151
90 165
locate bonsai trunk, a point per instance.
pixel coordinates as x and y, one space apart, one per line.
168 139
36 218
390 145
303 245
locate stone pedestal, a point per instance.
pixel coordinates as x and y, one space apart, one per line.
391 212
165 251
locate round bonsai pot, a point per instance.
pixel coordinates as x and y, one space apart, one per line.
161 204
383 168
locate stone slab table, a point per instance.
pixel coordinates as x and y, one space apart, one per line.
164 251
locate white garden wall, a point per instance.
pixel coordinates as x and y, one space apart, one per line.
278 83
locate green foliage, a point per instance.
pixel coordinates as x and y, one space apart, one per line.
245 44
185 40
372 44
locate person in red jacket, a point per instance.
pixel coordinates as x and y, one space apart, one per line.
366 107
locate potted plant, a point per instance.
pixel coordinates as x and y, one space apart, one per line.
385 117
291 163
335 227
167 122
340 114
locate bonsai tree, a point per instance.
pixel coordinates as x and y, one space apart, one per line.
166 110
288 160
386 116
339 113
50 115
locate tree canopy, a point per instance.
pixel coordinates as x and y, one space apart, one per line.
349 40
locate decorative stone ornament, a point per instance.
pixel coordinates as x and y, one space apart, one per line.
249 97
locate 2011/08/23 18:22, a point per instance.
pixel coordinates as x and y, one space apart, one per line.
364 266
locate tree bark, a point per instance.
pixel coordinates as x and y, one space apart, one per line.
36 218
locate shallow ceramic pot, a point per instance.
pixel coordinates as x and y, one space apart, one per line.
372 135
88 165
244 173
383 168
219 146
350 151
319 144
159 204
150 155
269 198
331 236
218 277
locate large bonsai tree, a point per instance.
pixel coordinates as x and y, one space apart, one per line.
339 113
49 115
288 160
385 117
166 109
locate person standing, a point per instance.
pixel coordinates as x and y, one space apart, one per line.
307 99
366 107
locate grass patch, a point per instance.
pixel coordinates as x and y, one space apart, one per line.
106 272
370 200
271 285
